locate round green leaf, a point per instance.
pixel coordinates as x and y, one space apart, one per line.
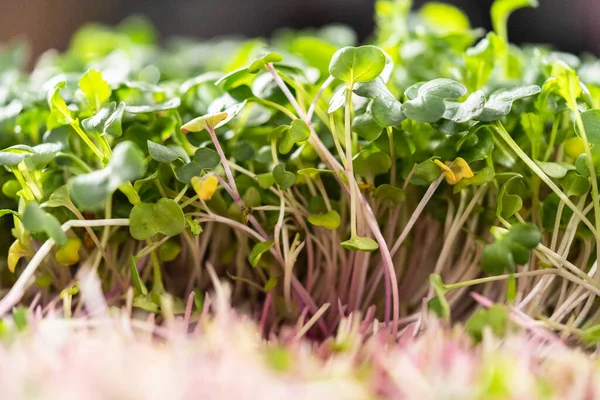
575 185
37 220
360 244
427 101
283 178
242 151
387 111
260 63
265 180
113 125
369 163
258 250
554 170
357 64
147 220
89 191
366 127
496 259
96 123
165 154
500 102
389 193
526 235
329 220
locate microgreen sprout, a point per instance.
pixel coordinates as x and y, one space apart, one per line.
336 187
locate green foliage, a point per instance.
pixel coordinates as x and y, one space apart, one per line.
89 191
329 220
37 220
258 250
164 216
495 318
285 179
95 88
206 150
357 64
511 249
427 102
360 244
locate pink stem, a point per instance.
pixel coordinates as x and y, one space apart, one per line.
326 155
265 311
215 141
188 310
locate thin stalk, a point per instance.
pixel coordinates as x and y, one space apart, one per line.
313 105
473 282
274 152
499 128
278 107
77 161
559 211
27 190
553 134
32 185
593 178
157 281
311 321
390 133
336 140
88 141
415 215
224 162
349 166
286 91
369 216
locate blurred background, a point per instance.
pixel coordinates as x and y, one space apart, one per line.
570 25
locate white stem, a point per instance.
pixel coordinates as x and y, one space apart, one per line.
224 162
416 214
312 321
313 105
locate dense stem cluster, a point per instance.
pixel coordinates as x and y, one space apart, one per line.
421 175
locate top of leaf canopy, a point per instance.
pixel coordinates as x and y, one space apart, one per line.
444 18
263 60
501 10
426 100
357 64
95 88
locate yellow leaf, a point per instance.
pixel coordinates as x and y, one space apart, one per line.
205 187
456 171
574 147
206 121
15 252
69 253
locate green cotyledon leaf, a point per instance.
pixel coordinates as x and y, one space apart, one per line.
427 101
329 220
258 250
95 88
60 114
357 64
285 179
360 244
89 191
35 219
500 102
164 216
